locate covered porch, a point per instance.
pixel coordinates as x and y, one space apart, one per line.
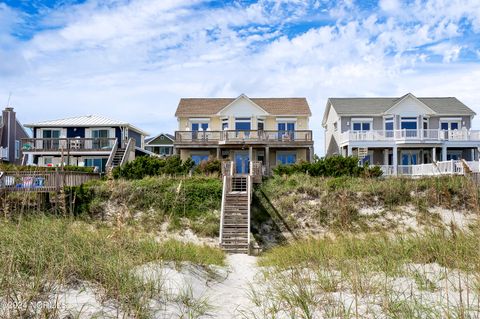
406 160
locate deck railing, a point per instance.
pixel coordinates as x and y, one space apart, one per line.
411 135
243 136
67 144
42 181
453 167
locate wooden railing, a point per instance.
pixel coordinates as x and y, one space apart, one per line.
255 170
243 136
42 181
67 144
130 147
111 156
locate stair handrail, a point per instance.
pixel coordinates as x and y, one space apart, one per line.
131 142
112 155
222 209
249 192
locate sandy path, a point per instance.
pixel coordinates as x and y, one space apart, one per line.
231 295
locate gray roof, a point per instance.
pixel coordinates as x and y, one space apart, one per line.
378 105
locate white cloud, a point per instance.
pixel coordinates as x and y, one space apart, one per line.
389 5
134 59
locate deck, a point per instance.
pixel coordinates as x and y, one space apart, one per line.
42 181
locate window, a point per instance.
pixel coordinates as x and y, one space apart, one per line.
260 124
198 158
242 124
98 163
408 123
224 124
451 125
361 126
48 161
286 158
51 137
164 150
454 155
389 123
100 138
199 126
425 123
286 130
17 149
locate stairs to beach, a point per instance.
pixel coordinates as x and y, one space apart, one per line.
235 221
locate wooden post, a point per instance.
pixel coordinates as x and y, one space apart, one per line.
267 160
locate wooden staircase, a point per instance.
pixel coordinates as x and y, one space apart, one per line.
118 157
235 218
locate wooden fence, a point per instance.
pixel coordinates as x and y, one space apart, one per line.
45 181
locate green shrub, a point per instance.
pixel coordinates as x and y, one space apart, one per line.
212 166
333 166
152 166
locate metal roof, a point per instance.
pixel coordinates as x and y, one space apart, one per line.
85 121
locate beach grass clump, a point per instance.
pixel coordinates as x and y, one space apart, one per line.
432 275
40 252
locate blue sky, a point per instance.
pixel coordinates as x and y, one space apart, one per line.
133 59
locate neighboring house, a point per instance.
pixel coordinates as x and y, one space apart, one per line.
11 133
161 144
271 130
84 141
400 131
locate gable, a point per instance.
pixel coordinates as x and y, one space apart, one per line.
242 107
161 139
410 106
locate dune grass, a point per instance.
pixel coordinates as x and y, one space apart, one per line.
38 252
374 276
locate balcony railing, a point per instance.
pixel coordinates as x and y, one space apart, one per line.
67 144
411 135
243 136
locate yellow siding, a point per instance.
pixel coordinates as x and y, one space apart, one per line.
215 124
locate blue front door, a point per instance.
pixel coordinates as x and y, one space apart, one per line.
242 162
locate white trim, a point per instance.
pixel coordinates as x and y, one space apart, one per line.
286 119
450 119
361 119
413 97
199 119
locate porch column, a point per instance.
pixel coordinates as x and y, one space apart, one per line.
218 153
250 153
395 160
385 156
267 160
349 150
444 153
310 155
434 154
472 154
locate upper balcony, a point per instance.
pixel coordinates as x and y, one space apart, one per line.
242 137
71 145
405 136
